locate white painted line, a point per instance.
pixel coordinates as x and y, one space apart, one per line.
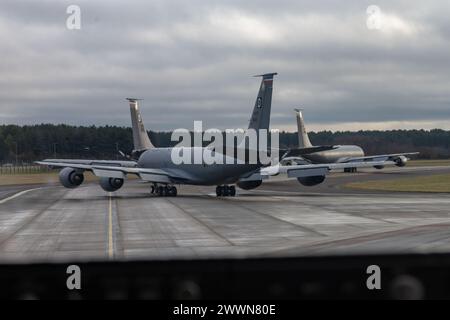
17 195
110 229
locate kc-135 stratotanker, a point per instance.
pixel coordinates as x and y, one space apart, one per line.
155 165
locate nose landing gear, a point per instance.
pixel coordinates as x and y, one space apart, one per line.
225 191
163 191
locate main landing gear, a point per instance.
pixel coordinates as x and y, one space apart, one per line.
163 191
351 170
225 191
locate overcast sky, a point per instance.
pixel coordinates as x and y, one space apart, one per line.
193 60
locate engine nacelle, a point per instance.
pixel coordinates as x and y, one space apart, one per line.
401 161
311 181
111 184
70 178
248 185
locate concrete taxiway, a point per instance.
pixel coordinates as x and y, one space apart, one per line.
280 218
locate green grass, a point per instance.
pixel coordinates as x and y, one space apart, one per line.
432 183
43 178
23 170
425 163
440 183
36 178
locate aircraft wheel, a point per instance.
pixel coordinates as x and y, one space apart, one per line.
172 191
152 189
225 191
219 191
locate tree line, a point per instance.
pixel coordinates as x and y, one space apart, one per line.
32 142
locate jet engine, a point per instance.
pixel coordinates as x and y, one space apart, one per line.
311 181
401 161
248 185
71 178
111 184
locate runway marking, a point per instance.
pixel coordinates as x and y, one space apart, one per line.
269 216
31 219
361 239
110 230
17 195
200 222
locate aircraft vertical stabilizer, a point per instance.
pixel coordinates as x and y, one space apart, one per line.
303 139
261 112
141 140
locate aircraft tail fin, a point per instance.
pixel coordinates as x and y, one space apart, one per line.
261 111
141 141
303 139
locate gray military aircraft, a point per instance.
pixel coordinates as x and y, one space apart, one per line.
155 165
340 153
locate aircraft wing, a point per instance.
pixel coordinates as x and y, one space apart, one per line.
380 157
310 170
118 163
117 169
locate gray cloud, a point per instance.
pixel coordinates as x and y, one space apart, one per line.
193 61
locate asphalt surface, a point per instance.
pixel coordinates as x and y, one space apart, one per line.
281 218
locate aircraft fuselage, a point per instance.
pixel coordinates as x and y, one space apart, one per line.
195 173
340 154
